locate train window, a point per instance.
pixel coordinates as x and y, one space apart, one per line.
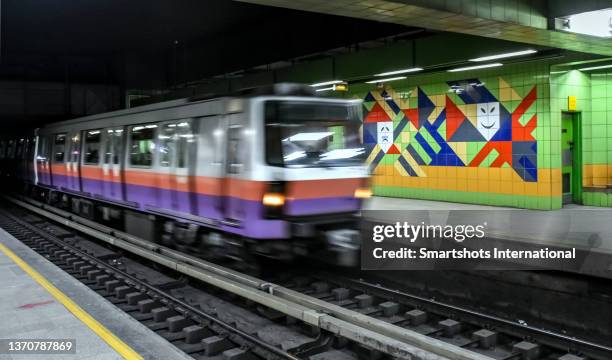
142 145
233 150
312 135
167 144
42 148
19 151
59 148
174 139
114 146
10 151
117 146
31 148
75 148
184 138
92 147
2 149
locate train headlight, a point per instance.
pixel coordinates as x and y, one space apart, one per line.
273 199
363 193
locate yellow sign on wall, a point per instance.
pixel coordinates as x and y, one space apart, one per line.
571 103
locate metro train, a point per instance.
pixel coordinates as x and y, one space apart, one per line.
277 172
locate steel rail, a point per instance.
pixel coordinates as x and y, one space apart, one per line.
509 326
368 331
152 289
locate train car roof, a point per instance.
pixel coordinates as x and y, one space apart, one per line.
283 89
131 111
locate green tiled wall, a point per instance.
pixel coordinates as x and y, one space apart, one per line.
594 101
543 194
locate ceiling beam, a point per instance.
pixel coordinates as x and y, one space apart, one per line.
523 21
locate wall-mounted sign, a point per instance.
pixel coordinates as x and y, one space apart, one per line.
594 23
571 103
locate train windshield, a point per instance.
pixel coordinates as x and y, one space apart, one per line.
302 134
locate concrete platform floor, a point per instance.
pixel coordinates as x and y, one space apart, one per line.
29 311
585 228
388 203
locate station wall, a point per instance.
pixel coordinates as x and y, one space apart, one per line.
483 138
489 137
593 92
597 176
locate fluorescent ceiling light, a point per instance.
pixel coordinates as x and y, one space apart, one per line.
596 67
325 89
312 136
332 82
385 80
475 67
295 155
342 154
400 71
505 55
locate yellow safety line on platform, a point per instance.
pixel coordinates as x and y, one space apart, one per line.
113 341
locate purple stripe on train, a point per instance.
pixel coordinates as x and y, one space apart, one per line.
322 206
248 213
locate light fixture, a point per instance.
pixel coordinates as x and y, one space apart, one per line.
341 86
594 23
363 193
342 154
475 67
273 199
385 80
332 82
309 136
295 155
596 67
404 71
504 55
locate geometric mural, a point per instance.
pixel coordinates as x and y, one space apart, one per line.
470 128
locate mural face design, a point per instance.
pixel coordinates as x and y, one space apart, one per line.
385 135
488 119
471 127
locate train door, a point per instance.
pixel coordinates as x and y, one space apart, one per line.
209 167
166 150
112 180
91 171
235 166
73 168
43 168
29 160
571 157
59 173
176 146
139 174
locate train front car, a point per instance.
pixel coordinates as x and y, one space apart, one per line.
315 177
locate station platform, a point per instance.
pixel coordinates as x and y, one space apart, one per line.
588 229
39 301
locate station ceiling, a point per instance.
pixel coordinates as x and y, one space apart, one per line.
154 43
526 21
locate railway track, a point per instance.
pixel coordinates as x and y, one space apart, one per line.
334 317
149 296
499 338
299 326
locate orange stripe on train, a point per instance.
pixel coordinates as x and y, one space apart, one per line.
239 188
